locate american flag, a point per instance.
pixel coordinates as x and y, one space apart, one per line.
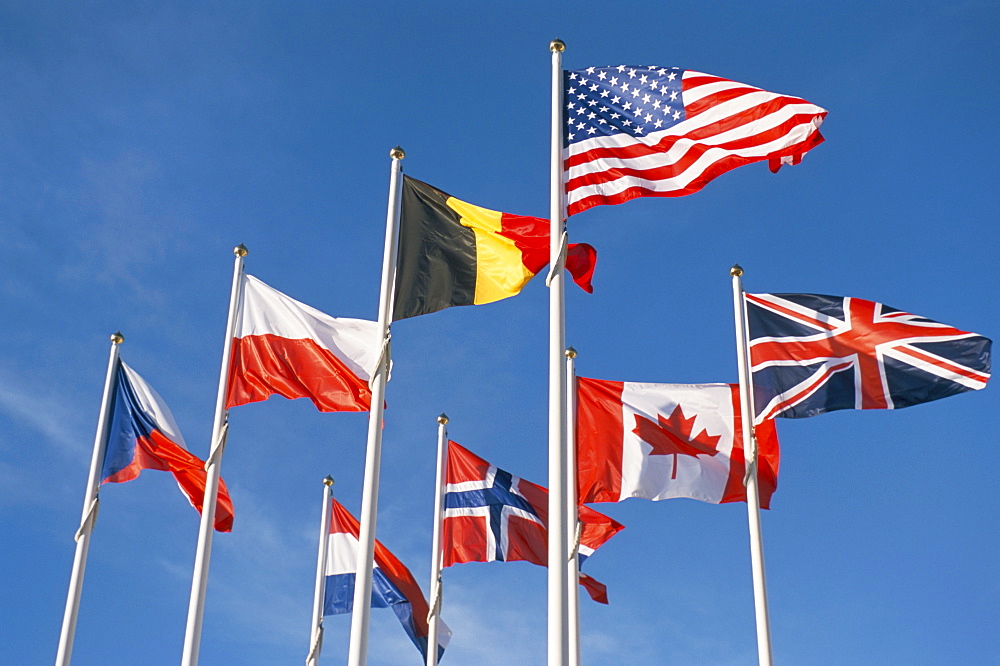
812 354
662 131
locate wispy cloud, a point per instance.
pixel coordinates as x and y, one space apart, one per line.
45 414
125 235
20 489
42 434
483 632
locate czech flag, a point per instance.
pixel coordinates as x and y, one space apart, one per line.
393 585
143 435
454 253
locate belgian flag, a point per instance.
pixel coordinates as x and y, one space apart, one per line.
454 253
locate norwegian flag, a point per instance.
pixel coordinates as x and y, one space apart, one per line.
635 131
492 516
812 354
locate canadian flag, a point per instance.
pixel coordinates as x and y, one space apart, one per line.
288 348
658 441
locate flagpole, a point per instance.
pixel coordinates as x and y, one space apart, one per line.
358 654
199 579
558 596
750 454
319 590
90 504
434 614
572 512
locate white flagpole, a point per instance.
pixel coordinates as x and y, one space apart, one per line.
90 504
319 591
572 512
358 654
558 596
199 579
750 453
434 614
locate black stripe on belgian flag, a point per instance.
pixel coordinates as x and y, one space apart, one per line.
436 261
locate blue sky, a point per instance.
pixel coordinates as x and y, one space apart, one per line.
139 143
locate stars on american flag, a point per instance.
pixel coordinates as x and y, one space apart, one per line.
603 101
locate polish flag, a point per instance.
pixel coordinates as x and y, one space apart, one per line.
144 435
657 441
287 348
393 586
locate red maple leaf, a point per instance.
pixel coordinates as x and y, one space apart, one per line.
672 437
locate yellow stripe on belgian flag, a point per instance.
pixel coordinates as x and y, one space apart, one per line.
500 269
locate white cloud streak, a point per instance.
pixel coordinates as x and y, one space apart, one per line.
45 414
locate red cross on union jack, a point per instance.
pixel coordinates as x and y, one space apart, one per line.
812 353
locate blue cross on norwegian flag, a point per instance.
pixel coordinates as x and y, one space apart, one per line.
496 498
812 354
492 516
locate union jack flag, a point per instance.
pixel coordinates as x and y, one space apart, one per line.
812 354
493 516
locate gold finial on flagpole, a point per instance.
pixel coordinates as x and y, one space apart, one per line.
397 153
570 352
328 481
117 338
557 45
736 270
443 419
241 250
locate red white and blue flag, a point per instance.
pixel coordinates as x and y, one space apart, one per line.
288 348
662 131
812 354
143 435
659 441
393 585
492 516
